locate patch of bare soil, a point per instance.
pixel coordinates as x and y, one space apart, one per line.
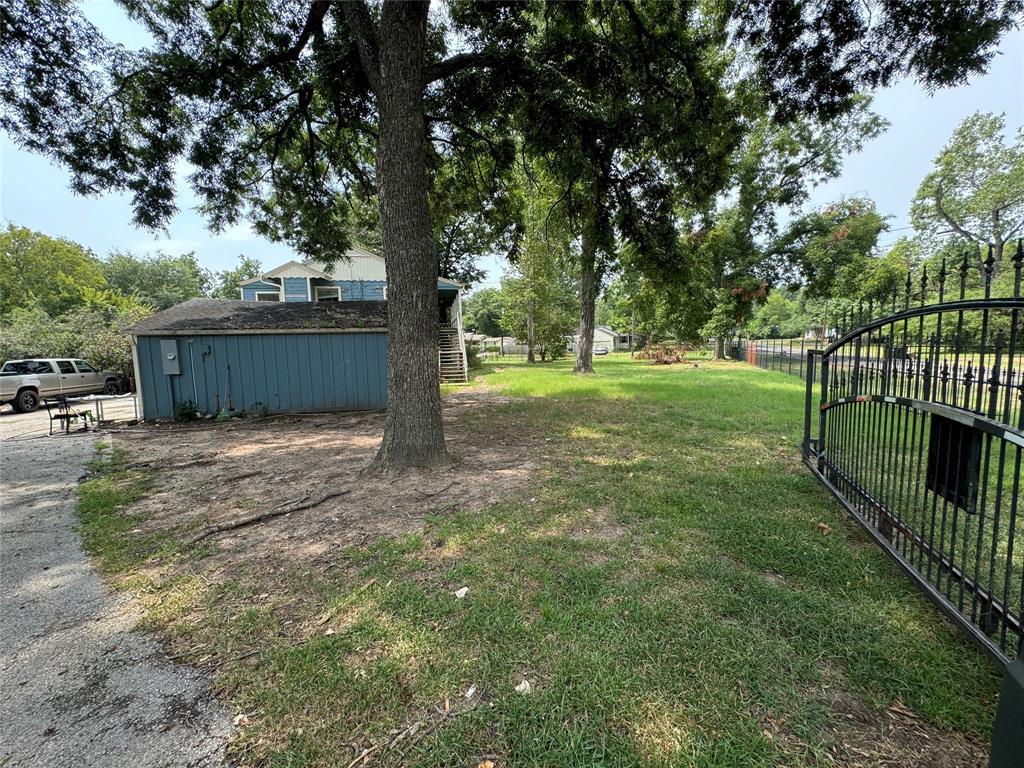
597 526
212 474
897 738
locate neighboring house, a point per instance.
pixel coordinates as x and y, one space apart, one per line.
604 336
362 278
820 332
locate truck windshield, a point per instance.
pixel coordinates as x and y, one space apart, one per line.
23 367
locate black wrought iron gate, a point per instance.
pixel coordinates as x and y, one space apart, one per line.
915 421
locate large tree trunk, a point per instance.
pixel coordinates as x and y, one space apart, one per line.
529 337
588 299
413 435
719 353
719 347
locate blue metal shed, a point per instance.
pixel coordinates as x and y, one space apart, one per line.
253 356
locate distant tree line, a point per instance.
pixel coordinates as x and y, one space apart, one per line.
58 299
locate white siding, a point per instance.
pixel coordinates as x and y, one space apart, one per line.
360 266
291 270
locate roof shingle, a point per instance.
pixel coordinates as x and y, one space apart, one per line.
237 315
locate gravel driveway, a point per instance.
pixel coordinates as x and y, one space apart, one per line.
79 686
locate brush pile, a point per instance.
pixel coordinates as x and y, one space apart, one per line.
663 354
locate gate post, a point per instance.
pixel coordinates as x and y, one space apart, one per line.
821 413
808 400
1009 731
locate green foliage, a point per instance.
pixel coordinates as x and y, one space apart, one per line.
538 297
159 280
832 246
784 314
96 335
975 191
481 312
185 411
226 283
811 58
50 273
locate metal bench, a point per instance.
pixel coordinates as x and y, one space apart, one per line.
63 414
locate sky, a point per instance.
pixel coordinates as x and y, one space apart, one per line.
35 193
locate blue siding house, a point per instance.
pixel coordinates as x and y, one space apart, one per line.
361 277
248 356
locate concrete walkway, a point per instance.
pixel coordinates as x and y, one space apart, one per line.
79 687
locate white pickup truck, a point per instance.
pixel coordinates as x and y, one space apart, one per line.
24 383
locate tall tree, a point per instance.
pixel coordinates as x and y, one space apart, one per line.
975 190
158 280
614 123
537 304
227 282
284 109
832 245
773 171
481 311
48 272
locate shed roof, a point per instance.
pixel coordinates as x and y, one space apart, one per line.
233 315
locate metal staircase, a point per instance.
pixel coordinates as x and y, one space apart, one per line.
451 356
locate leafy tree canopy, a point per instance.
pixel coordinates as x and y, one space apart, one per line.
227 282
538 297
975 191
51 273
831 247
481 312
159 280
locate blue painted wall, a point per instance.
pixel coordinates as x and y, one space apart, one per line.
295 289
357 290
249 291
351 290
283 372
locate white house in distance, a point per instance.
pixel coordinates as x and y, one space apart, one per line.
604 336
361 277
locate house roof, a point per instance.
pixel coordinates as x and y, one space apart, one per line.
308 268
310 271
233 315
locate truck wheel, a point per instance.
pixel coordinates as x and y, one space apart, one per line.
26 401
111 387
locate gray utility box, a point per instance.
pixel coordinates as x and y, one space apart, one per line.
169 355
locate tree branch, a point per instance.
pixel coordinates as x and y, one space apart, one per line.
457 63
314 23
937 197
360 23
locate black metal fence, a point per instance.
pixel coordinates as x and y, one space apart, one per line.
785 355
915 421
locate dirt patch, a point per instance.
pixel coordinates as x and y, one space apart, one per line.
211 474
897 738
598 525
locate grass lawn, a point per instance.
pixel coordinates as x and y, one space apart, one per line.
675 588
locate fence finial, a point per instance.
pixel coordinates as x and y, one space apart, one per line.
989 269
906 296
924 283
